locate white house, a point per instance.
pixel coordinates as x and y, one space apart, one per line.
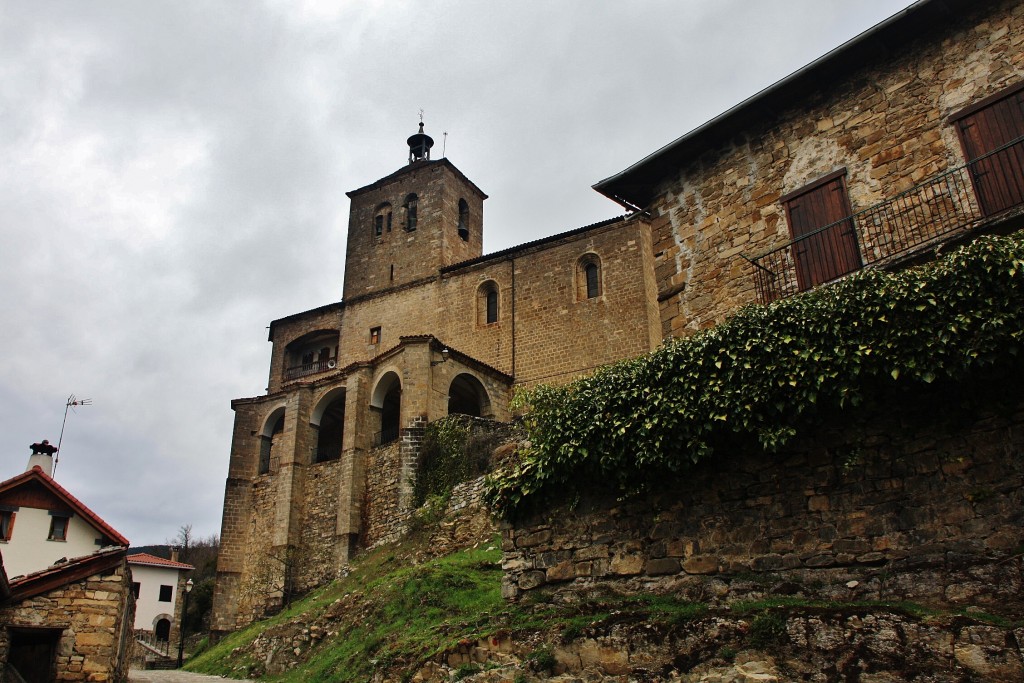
41 523
156 583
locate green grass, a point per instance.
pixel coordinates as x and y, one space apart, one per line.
399 613
390 615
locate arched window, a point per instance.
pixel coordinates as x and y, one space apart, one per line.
588 277
411 202
269 438
488 302
593 289
492 307
463 220
382 219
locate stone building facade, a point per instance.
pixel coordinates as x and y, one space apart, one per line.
69 622
903 139
324 463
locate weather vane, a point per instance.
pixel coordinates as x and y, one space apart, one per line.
421 116
70 403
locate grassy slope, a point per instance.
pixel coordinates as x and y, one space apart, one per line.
392 615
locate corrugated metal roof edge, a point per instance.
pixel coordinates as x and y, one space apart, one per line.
498 255
614 187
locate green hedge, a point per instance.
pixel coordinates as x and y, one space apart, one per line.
756 376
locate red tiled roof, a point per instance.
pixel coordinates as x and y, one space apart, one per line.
154 561
63 573
77 506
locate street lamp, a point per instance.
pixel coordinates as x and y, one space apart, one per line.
181 629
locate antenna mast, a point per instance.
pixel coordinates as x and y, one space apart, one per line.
70 403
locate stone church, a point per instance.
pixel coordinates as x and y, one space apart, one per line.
427 326
905 138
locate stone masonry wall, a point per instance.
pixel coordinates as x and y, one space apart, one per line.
887 125
95 616
399 257
918 500
558 332
286 331
381 512
319 525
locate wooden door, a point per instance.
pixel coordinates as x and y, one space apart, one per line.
32 654
998 177
820 214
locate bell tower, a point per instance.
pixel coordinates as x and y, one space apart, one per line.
406 226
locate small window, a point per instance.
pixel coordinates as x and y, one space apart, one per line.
411 203
165 593
382 217
492 307
58 528
463 220
375 335
593 289
488 302
136 588
588 277
6 525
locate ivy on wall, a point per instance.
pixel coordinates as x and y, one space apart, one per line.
759 374
452 452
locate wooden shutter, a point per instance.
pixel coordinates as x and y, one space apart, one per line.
822 255
998 178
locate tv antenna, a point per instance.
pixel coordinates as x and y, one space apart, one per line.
71 403
444 144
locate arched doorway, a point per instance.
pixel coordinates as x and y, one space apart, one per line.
467 396
329 420
387 402
162 630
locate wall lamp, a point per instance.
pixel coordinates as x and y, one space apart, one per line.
444 357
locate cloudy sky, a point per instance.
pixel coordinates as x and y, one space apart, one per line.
173 178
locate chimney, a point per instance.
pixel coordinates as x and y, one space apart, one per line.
174 553
42 457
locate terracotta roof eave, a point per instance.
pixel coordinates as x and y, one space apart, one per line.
57 575
634 186
77 506
149 560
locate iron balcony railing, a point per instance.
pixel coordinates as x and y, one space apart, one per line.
386 435
955 200
310 368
